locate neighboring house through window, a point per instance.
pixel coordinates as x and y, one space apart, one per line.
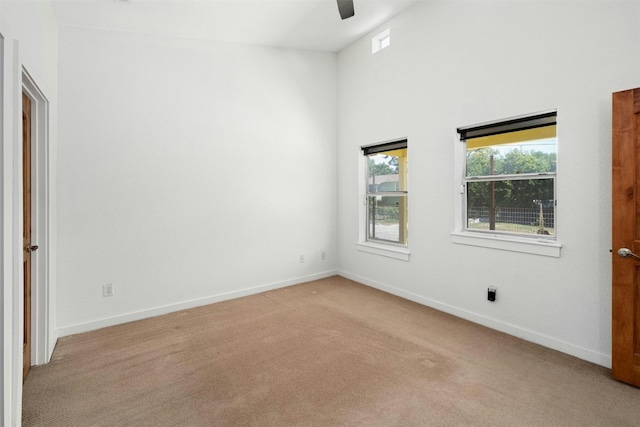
386 193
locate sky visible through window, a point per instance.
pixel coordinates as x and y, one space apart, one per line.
547 146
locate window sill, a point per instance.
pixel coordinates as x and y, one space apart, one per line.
529 246
390 251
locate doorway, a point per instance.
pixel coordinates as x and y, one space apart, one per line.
27 244
42 338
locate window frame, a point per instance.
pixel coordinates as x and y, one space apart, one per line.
389 248
381 41
538 244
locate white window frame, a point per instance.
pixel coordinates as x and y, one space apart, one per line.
515 242
377 246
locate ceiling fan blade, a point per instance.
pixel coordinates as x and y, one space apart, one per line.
345 7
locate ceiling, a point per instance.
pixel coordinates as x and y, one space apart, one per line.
298 24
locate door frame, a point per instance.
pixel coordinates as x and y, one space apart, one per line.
14 79
41 348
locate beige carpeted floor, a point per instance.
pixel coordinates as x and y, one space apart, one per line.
325 353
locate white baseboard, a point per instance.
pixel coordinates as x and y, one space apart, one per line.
158 311
525 334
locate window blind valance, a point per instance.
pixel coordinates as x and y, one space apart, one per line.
385 146
518 124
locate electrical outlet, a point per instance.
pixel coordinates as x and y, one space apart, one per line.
301 259
491 293
322 256
107 290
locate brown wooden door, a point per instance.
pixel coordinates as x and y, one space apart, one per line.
27 245
626 237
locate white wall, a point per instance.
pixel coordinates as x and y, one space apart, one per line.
189 172
457 63
30 43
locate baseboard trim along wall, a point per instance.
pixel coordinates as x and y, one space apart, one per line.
525 334
158 311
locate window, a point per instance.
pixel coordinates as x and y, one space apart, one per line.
386 192
381 41
509 179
